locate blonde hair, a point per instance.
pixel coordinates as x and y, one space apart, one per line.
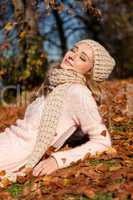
94 86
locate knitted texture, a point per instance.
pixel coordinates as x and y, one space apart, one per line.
60 80
103 61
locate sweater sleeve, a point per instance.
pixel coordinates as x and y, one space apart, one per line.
85 112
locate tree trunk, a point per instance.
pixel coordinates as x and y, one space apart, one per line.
30 39
59 24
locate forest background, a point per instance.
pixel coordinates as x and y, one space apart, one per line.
35 34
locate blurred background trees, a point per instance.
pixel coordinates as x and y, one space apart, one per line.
34 34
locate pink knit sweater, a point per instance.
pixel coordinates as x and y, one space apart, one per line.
80 109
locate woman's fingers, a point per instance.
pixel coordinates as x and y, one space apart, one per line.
37 170
45 167
47 170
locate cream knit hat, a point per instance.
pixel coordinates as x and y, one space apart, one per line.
103 62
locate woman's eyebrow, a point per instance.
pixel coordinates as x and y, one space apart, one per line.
82 51
85 54
75 46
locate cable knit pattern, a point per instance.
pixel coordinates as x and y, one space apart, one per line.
79 109
47 126
31 137
103 61
84 111
60 80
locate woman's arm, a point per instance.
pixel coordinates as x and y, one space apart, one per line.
84 110
65 158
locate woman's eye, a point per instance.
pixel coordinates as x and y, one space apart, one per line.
83 59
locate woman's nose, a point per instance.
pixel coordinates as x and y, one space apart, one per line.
73 56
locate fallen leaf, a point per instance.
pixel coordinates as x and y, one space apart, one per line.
104 133
5 182
2 173
87 191
115 168
118 119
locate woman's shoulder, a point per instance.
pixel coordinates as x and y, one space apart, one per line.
77 89
81 95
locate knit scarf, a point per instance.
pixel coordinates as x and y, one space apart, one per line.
59 81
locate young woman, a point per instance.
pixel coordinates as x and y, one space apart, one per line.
69 102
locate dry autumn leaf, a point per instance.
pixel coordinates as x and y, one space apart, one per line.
5 182
87 191
2 173
115 168
118 119
110 172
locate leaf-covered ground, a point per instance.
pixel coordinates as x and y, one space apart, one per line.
106 176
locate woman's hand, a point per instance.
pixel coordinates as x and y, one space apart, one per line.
45 167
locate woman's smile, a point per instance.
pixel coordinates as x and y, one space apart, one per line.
68 61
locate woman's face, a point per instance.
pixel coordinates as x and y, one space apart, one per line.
79 58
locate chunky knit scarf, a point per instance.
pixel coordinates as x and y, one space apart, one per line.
59 81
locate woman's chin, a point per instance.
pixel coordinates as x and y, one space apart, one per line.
66 66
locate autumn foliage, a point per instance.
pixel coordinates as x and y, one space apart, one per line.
108 175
